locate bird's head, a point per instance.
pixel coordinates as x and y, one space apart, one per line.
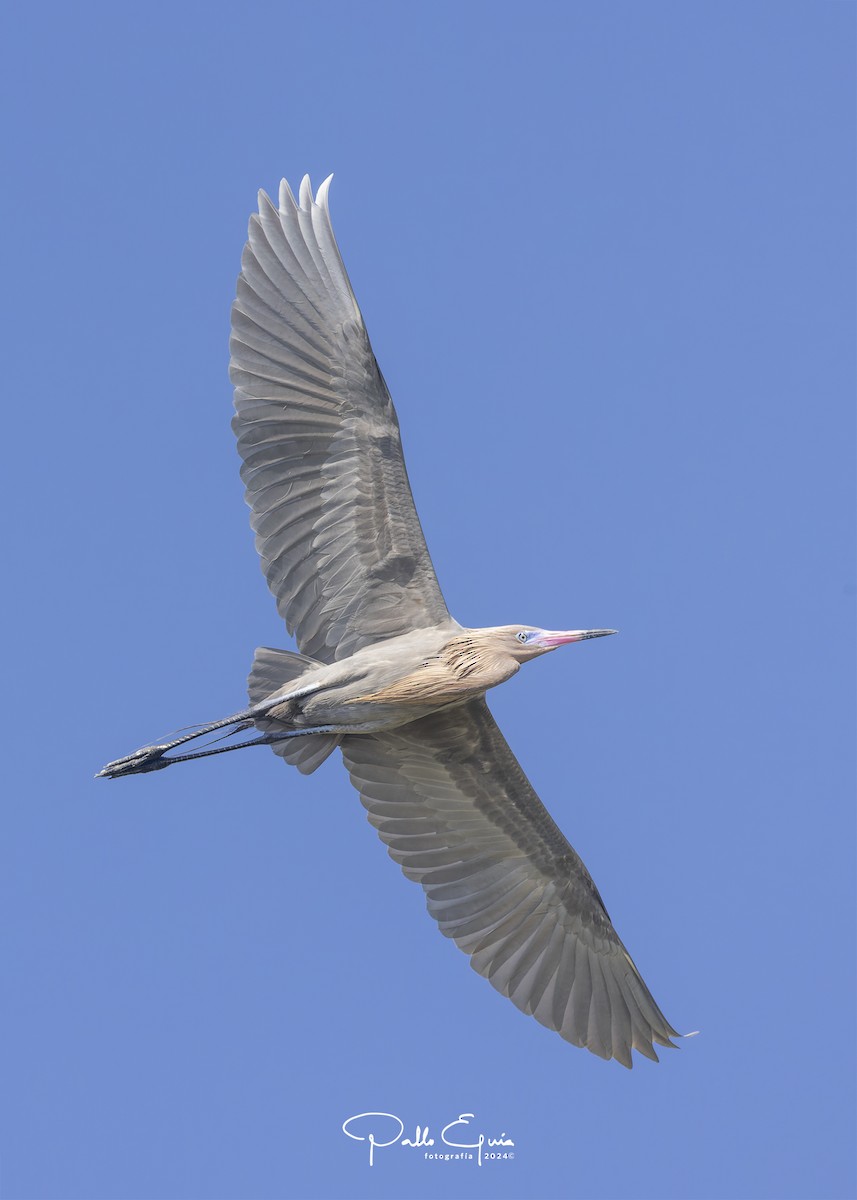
524 642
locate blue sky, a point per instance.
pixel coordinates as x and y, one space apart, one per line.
605 254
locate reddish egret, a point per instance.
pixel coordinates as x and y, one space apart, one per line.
384 672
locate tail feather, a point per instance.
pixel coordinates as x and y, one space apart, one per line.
271 671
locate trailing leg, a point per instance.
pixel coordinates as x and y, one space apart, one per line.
151 758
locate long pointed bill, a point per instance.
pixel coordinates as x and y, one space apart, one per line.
551 640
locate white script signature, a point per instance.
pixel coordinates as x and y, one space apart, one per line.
384 1129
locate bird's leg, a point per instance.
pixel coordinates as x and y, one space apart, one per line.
151 758
129 766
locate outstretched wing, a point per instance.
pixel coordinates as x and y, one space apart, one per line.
335 522
456 811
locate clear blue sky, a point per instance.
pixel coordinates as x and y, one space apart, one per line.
605 253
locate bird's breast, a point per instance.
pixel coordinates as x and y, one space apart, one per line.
460 671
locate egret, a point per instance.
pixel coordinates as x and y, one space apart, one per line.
384 672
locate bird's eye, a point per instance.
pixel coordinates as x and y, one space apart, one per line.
522 636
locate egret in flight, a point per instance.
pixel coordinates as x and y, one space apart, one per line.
384 672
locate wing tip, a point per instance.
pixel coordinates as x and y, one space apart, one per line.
305 194
286 197
304 200
321 196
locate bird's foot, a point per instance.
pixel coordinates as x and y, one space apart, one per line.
149 758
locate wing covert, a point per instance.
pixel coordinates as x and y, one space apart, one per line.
458 814
335 522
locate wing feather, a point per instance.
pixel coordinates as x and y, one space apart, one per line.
336 527
456 811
